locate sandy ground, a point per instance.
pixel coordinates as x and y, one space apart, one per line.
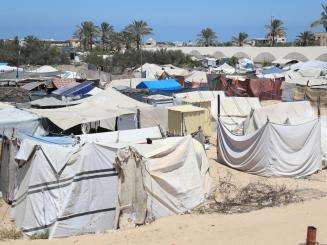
282 225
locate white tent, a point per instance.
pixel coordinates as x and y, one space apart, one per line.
234 111
291 113
197 77
44 69
14 121
72 190
225 68
309 65
152 71
172 70
274 150
6 68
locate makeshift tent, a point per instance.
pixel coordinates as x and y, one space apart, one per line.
159 100
245 64
234 111
197 78
225 68
14 121
70 75
72 190
62 89
106 105
44 69
272 73
152 71
166 85
175 71
274 150
266 89
309 65
6 68
175 175
51 102
290 113
284 62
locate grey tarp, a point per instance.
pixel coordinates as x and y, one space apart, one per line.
273 150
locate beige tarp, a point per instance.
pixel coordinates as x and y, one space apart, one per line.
197 77
105 105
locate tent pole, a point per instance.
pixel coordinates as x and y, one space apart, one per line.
138 118
218 106
318 105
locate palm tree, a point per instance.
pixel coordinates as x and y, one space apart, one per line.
106 32
275 29
305 38
138 29
207 37
323 19
240 39
87 32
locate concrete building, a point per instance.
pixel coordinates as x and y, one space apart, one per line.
321 38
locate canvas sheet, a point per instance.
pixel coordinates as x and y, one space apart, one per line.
273 150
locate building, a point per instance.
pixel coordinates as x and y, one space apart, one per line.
280 39
321 38
150 43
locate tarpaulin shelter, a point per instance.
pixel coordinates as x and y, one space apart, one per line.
104 107
44 69
225 68
235 110
290 113
197 79
14 121
274 150
166 85
266 89
73 190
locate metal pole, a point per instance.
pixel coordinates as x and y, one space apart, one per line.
218 106
138 118
318 105
311 235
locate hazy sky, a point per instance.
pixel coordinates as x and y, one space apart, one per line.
176 20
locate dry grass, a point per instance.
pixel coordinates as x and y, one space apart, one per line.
10 233
229 198
41 235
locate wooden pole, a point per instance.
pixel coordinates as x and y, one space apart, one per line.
318 105
218 106
138 118
311 235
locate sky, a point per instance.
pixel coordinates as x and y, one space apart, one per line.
171 20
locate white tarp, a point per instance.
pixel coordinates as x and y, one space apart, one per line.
225 68
293 77
13 121
72 189
175 175
197 77
234 110
106 105
274 150
152 71
67 190
292 113
44 69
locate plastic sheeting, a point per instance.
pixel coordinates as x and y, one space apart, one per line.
274 150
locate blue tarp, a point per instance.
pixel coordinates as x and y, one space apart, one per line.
166 85
79 89
272 70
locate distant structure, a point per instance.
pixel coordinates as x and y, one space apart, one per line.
150 43
321 38
280 39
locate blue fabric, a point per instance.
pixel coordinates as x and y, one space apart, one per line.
64 140
160 85
80 89
272 70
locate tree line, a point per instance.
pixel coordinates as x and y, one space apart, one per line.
275 28
31 51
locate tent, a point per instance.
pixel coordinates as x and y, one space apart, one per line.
44 69
234 111
166 85
6 68
272 72
225 68
152 71
103 107
197 77
246 64
291 113
274 150
14 121
72 190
